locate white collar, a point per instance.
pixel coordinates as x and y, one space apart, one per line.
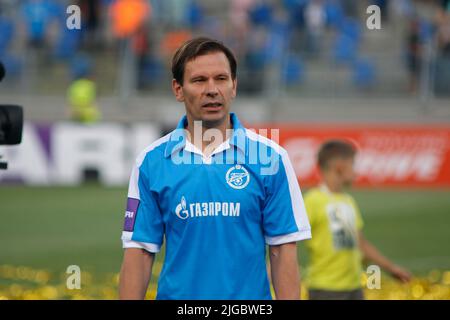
189 146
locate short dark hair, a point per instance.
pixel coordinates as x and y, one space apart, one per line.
333 149
198 47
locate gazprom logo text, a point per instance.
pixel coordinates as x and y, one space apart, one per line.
207 209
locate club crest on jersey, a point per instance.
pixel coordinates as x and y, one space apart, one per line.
237 177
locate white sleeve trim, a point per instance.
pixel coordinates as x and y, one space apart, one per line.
150 247
291 237
297 203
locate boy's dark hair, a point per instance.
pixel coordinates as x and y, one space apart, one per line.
333 149
198 47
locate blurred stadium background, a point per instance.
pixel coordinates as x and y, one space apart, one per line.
310 68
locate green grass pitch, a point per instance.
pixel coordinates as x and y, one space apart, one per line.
53 228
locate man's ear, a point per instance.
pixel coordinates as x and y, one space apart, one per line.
234 88
177 90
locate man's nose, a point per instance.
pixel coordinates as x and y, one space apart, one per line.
211 88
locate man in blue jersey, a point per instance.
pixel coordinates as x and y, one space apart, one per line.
217 192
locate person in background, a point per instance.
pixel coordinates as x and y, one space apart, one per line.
141 47
338 243
82 96
413 54
445 5
443 29
37 14
91 10
315 18
384 8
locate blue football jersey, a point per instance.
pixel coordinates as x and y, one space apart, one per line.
216 213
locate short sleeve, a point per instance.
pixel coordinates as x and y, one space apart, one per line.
284 214
143 226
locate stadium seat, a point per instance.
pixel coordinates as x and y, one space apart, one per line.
261 14
38 15
293 70
255 59
351 28
152 72
68 43
295 9
6 33
345 49
363 74
277 40
292 4
334 14
426 30
194 15
80 66
441 79
12 64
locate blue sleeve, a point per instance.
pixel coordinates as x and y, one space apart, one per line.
143 226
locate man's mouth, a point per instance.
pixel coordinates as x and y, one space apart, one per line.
212 105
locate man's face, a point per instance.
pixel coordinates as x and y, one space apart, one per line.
207 89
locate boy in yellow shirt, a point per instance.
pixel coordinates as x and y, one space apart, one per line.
338 244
